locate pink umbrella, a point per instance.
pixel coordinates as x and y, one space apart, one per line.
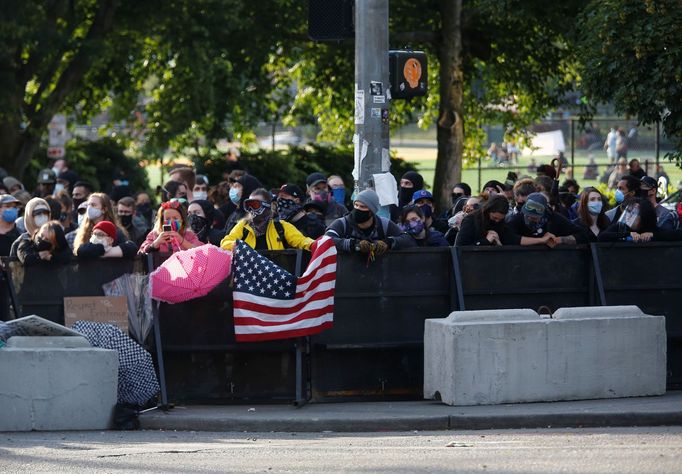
190 274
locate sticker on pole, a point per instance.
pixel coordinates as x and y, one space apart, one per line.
359 107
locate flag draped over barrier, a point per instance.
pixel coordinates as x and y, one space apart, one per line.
271 303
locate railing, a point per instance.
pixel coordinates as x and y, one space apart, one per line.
375 349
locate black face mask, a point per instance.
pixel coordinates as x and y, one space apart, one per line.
77 202
361 216
144 209
405 196
43 244
199 225
126 220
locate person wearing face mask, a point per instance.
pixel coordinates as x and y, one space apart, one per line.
318 190
8 229
460 190
290 209
240 190
538 224
65 181
486 225
665 218
262 230
455 222
47 246
626 190
424 200
338 189
412 223
363 231
521 190
592 214
100 209
81 192
201 217
637 223
200 190
171 232
133 224
144 208
36 213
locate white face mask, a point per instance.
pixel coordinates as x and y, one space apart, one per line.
40 220
58 187
100 240
200 195
81 218
94 213
56 171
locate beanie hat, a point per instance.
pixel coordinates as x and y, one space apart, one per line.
107 227
370 199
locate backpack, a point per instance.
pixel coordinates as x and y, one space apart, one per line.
280 233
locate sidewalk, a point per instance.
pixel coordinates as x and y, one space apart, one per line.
419 415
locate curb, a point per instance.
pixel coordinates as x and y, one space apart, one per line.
185 422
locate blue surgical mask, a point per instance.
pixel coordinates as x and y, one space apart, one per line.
594 207
10 215
234 196
620 197
339 195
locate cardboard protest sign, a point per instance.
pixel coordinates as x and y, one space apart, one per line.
101 309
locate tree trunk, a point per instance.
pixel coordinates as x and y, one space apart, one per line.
450 130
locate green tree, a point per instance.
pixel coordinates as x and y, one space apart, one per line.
631 52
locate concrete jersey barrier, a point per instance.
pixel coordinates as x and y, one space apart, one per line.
514 356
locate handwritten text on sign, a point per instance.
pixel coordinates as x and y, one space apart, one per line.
101 309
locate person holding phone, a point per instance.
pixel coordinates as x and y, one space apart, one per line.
170 233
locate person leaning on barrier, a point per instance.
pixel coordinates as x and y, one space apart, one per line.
290 209
455 222
48 245
362 230
170 233
592 214
412 221
486 225
637 223
538 224
36 213
522 189
101 210
262 230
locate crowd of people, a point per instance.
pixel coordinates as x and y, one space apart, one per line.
65 216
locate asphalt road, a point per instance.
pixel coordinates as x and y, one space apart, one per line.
617 450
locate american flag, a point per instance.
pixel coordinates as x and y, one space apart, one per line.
271 303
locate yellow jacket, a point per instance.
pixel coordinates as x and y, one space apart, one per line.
294 238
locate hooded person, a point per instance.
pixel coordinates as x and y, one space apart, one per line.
240 190
410 183
36 213
201 217
538 224
48 245
262 229
363 231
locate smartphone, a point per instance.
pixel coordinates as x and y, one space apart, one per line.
167 228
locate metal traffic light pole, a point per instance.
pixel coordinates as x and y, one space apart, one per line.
371 139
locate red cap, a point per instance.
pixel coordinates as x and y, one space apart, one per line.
107 227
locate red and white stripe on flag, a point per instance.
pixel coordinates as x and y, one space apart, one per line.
270 303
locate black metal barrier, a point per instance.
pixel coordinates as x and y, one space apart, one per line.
375 349
41 289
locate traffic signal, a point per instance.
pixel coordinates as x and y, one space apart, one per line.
330 20
408 74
